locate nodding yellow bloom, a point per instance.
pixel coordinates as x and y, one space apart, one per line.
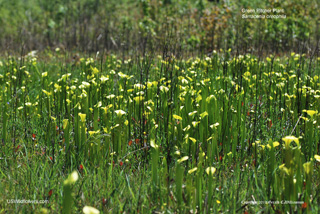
310 112
307 167
177 153
183 159
202 115
276 143
192 113
153 144
192 170
214 125
177 117
192 139
93 132
164 89
317 157
195 123
46 92
103 79
95 70
65 123
82 117
211 170
73 177
288 139
44 74
120 112
90 210
284 169
138 99
256 143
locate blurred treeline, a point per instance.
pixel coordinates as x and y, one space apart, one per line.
129 26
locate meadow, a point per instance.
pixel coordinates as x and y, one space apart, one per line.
147 106
158 134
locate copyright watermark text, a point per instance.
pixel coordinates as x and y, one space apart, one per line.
23 201
270 202
259 13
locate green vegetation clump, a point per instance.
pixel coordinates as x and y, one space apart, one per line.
129 25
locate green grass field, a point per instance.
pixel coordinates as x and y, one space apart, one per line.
220 134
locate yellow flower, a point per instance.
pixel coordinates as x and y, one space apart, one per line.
65 123
310 112
177 117
82 117
202 115
73 177
192 139
307 167
192 170
103 79
120 112
153 144
275 144
138 99
47 93
211 170
214 125
284 169
95 70
90 210
317 157
195 123
288 139
183 159
93 132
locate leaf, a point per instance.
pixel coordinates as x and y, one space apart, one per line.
202 115
183 159
284 169
153 144
192 170
307 167
65 123
195 123
214 125
192 139
192 113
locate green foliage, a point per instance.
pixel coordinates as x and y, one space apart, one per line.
92 25
156 134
